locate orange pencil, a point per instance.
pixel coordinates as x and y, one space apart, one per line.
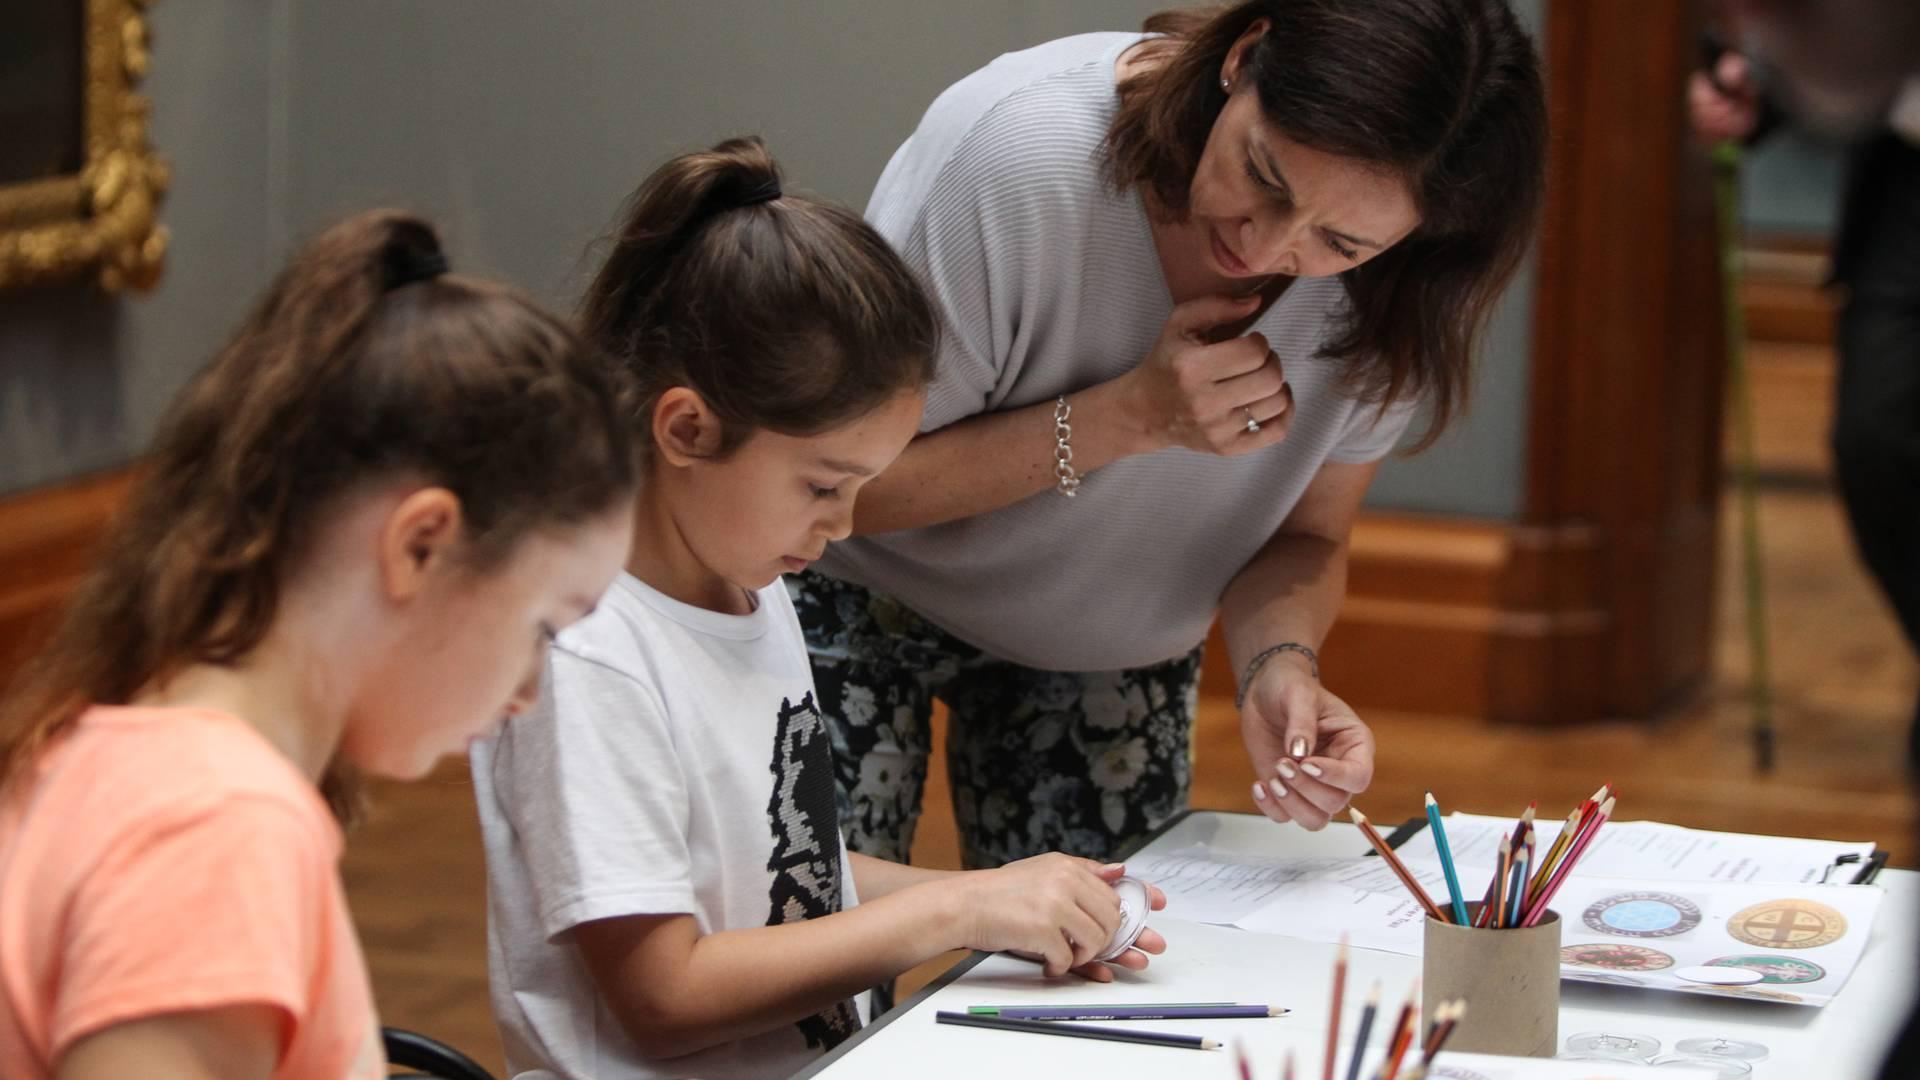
1501 869
1333 1016
1393 863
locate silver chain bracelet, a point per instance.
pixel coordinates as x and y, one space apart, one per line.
1260 661
1069 481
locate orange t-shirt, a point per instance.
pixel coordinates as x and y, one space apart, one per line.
162 860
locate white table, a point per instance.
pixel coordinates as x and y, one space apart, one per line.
1842 1041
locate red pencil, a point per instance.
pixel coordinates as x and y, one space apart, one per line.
1393 863
1333 1017
1402 1035
1560 876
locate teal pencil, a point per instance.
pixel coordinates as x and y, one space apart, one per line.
1446 860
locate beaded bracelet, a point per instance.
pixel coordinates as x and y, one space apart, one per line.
1254 665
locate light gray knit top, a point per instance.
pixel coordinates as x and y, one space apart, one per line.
1050 283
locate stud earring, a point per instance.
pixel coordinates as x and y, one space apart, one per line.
1225 84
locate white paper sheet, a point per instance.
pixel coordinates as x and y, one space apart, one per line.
1662 926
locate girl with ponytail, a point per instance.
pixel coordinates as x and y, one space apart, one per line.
666 877
350 543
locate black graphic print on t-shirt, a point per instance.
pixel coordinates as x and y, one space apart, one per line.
806 845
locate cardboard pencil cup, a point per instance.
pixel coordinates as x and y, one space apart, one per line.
1510 980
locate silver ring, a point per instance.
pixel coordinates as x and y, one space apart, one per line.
1253 426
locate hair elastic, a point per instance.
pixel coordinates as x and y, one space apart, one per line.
765 191
408 265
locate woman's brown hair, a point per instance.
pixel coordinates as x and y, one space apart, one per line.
1445 93
362 362
783 311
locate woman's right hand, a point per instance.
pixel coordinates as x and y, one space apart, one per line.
1192 393
1727 104
1057 908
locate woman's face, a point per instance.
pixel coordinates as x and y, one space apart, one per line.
1261 203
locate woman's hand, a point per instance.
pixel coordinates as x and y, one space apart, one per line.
1055 909
1190 393
1310 751
1727 104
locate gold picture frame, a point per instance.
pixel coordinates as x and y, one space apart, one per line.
103 220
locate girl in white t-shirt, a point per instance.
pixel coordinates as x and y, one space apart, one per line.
665 866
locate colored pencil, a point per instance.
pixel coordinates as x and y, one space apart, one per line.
1560 876
1516 906
1240 1060
1333 1013
1500 870
1365 1029
1445 1030
1402 1035
1446 860
1134 1012
1079 1031
1289 1073
1393 862
1484 917
1440 1014
994 1010
1526 822
1545 868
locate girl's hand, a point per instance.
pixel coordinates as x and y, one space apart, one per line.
1053 908
1149 941
1310 751
1190 393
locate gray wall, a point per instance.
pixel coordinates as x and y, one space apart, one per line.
1479 466
1792 184
83 377
520 127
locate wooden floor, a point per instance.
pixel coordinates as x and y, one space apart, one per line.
1845 687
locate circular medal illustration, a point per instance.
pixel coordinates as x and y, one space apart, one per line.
1788 924
1776 970
1643 915
1616 957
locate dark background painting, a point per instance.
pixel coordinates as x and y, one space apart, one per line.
41 93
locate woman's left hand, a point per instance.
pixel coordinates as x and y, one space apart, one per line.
1310 751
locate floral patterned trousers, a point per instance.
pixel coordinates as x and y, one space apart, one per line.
1083 762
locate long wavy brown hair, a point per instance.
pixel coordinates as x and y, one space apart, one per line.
359 364
1445 93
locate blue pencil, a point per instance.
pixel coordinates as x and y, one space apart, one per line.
1366 1029
1519 889
1446 860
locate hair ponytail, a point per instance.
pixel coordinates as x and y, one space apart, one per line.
783 311
362 361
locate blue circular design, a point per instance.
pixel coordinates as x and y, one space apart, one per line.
1643 915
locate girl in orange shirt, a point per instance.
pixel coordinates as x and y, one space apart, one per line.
356 533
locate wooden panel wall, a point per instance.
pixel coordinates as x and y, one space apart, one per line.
47 537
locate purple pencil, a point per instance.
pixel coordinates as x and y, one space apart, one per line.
1142 1012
